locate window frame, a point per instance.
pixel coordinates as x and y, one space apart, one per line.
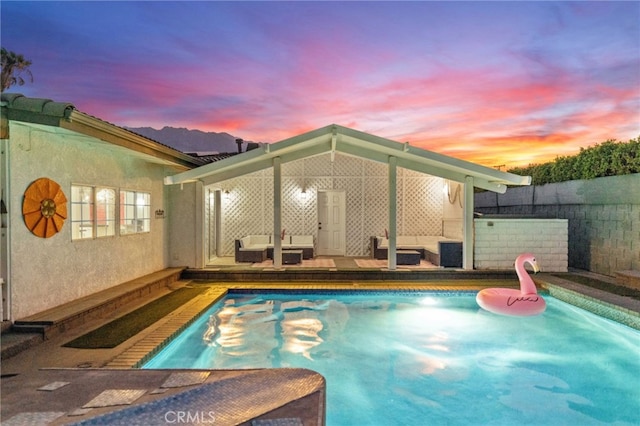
97 217
78 206
138 225
91 206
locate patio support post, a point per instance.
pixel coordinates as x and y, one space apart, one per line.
218 220
277 213
393 213
467 224
200 258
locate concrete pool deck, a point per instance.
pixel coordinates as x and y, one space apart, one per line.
92 372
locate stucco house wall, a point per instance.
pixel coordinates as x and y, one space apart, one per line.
185 229
423 208
48 272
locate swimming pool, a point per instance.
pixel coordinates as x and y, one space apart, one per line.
426 357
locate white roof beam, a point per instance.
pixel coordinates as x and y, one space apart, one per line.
334 143
334 138
253 160
265 163
404 150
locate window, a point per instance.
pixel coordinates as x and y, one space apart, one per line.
81 212
135 212
93 212
105 212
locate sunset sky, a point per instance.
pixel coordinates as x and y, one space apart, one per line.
497 83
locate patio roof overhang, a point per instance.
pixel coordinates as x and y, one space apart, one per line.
335 138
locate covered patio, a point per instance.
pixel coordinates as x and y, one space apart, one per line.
341 187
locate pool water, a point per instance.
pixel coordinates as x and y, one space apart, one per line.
427 358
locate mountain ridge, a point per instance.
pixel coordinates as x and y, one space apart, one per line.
190 140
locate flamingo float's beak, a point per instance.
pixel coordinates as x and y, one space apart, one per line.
536 268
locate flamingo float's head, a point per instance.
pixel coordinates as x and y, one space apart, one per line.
530 259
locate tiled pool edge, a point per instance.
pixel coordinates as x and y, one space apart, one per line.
625 311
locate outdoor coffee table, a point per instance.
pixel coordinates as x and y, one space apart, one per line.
407 257
291 257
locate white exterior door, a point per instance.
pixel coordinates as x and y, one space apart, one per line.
331 223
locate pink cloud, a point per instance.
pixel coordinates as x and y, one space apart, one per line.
269 73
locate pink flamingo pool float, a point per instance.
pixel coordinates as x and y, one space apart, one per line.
507 301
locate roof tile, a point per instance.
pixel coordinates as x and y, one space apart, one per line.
38 105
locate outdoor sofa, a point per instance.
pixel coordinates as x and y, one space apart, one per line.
257 248
439 250
252 248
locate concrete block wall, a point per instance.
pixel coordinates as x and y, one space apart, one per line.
603 215
498 241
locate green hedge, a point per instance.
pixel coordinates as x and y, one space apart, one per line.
610 158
